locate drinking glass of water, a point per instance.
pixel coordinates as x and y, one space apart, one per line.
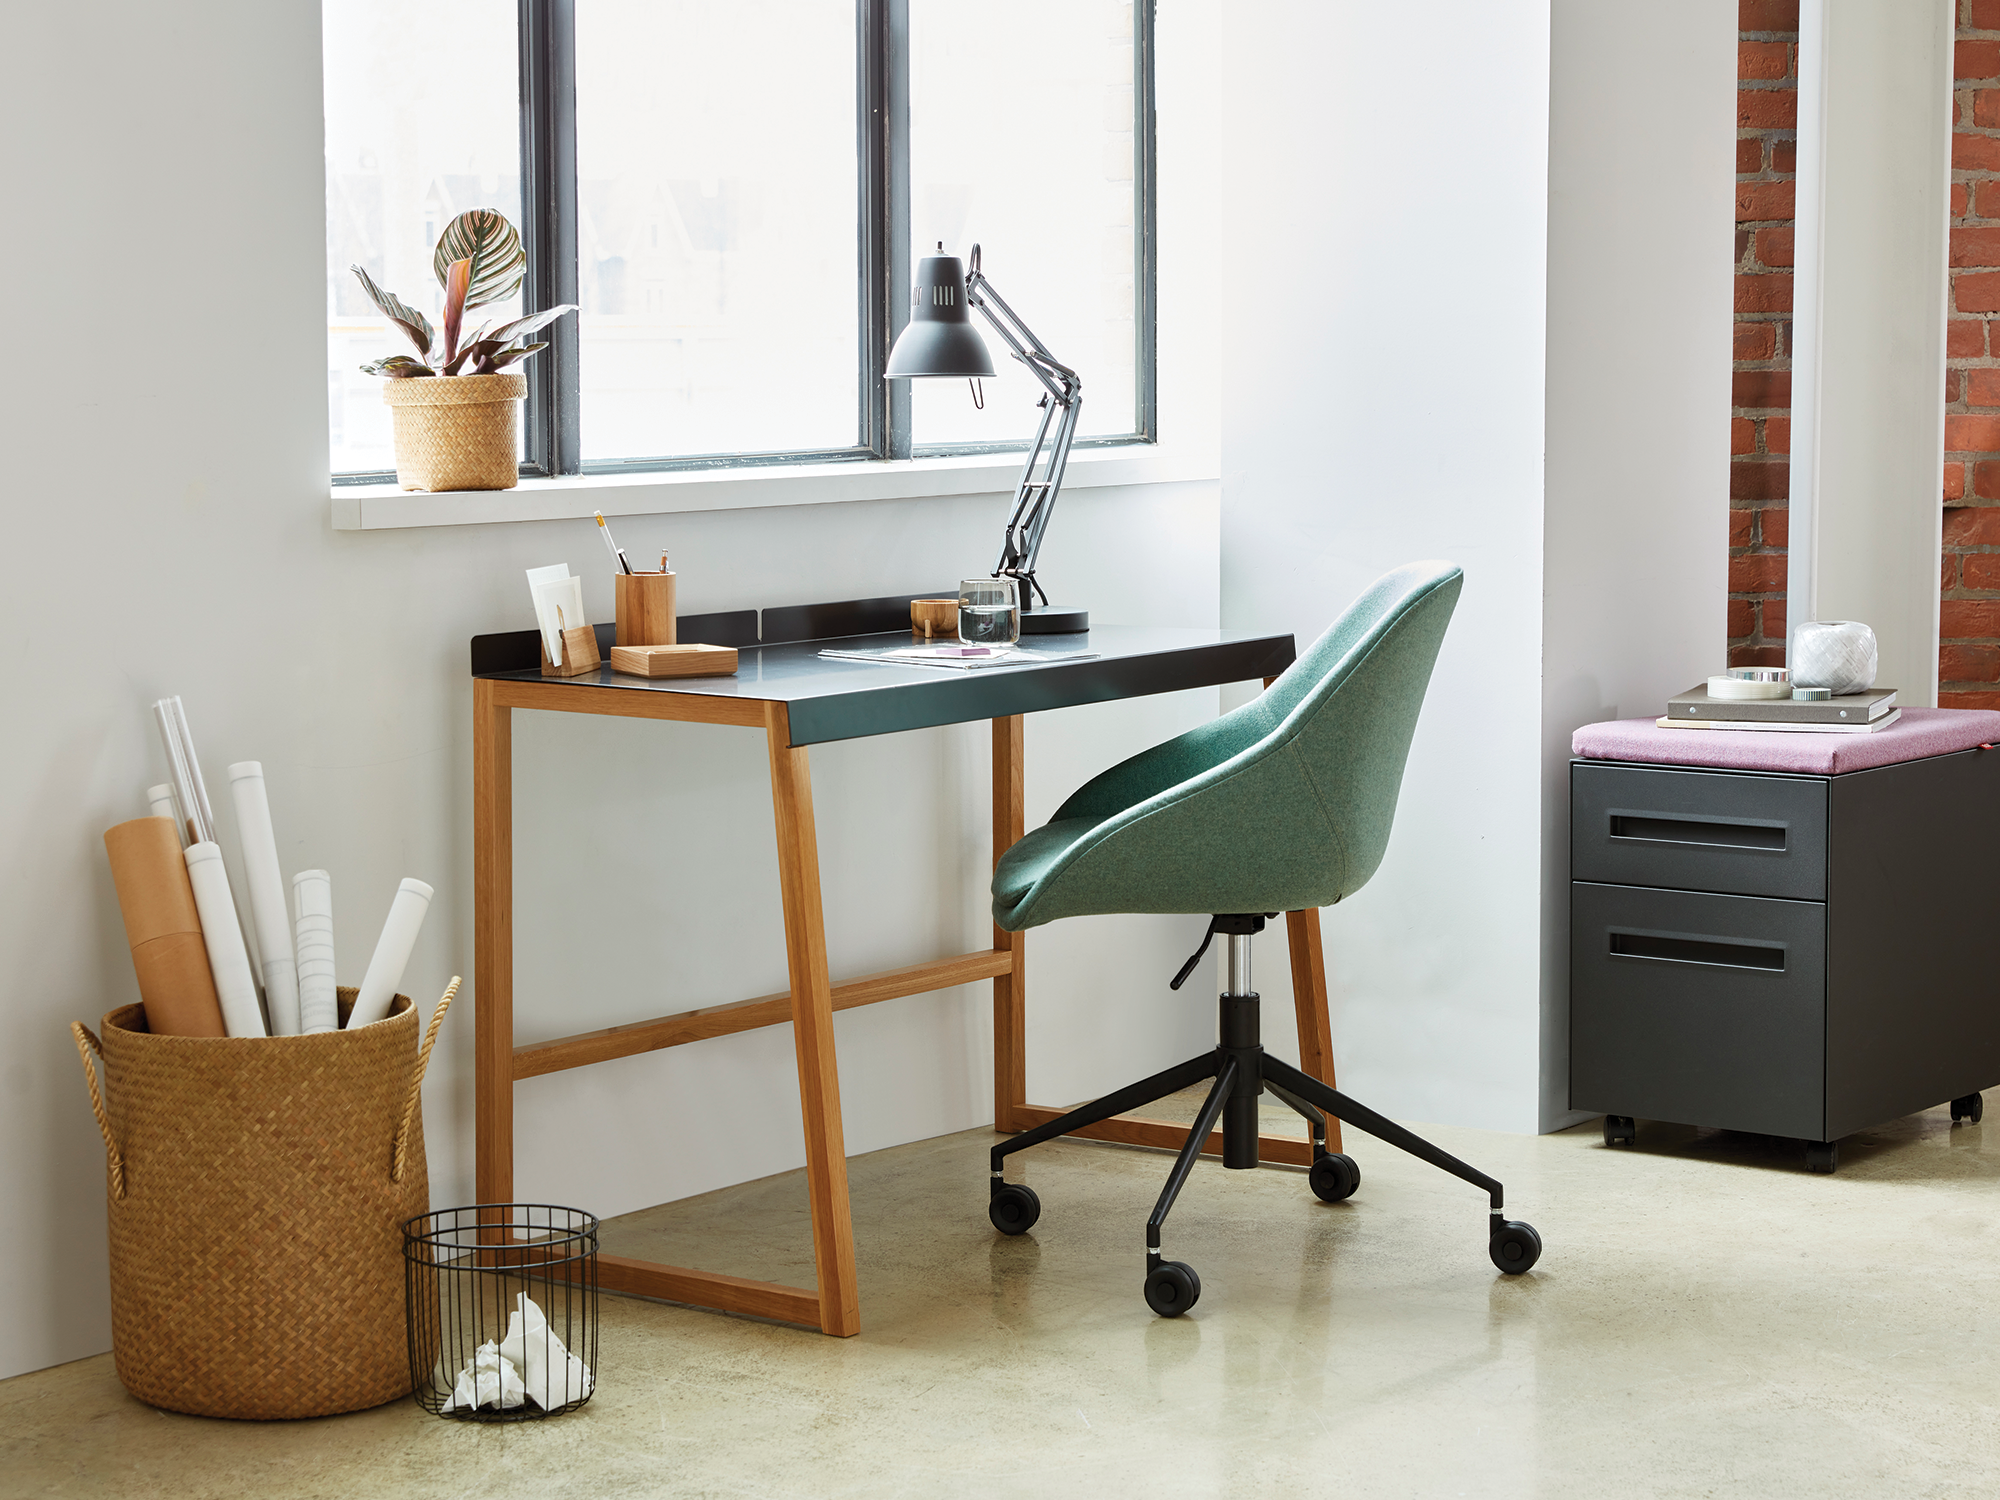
989 611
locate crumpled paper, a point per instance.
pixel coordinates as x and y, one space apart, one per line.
488 1379
530 1363
551 1374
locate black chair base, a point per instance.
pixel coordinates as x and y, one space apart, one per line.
1241 1070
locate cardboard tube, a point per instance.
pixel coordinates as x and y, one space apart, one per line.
319 1004
267 895
392 953
227 960
164 928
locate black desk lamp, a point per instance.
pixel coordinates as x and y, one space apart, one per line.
940 342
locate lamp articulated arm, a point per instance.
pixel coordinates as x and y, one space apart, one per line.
1062 398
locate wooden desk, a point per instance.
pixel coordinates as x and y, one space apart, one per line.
783 688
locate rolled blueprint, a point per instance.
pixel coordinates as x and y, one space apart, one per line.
163 927
392 952
319 1006
223 938
161 799
267 895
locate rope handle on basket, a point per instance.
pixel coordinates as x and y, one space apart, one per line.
416 1079
86 1044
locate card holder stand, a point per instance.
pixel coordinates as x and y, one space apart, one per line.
579 654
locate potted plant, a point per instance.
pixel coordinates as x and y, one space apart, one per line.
457 404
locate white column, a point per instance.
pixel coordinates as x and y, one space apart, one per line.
1869 304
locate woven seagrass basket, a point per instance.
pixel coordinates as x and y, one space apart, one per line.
258 1187
457 432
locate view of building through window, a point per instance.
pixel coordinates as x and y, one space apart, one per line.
1021 120
423 121
717 250
718 187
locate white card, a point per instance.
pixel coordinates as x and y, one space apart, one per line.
545 607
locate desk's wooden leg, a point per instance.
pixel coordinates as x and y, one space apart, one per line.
812 1028
1010 990
1309 999
493 944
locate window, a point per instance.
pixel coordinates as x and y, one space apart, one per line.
733 196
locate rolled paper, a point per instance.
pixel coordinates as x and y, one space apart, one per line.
161 799
267 895
223 938
392 952
163 928
319 1004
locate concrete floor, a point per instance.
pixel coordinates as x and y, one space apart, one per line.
1707 1319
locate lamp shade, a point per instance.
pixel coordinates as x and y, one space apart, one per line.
940 339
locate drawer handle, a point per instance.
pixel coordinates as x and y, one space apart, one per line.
1696 831
1725 953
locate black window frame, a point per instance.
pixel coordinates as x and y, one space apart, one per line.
548 209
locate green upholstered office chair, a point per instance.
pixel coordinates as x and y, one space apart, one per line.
1284 804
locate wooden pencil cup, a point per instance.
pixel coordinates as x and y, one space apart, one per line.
934 619
645 609
579 654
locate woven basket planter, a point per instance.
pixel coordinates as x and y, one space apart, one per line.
258 1187
457 432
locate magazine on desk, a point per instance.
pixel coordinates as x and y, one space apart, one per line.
957 658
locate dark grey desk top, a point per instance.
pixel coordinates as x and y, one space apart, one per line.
838 700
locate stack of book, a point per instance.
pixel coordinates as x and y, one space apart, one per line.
1855 713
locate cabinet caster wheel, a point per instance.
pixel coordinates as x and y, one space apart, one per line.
1971 1107
1014 1208
1514 1247
1334 1178
1822 1156
1620 1130
1172 1288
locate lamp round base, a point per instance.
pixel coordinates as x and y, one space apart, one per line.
1054 619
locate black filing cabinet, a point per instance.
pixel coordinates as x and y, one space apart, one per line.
1793 955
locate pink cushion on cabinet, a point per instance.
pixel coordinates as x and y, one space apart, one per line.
1919 733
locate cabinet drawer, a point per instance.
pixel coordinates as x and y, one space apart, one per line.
1698 830
1700 1009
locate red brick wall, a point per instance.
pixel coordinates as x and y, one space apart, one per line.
1969 645
1760 429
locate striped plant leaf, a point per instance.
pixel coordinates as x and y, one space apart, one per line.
507 357
398 367
484 237
399 312
533 323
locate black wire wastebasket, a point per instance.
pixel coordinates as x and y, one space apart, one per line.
502 1307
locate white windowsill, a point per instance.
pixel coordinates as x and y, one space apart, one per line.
380 507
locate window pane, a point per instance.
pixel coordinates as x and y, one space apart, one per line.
1021 140
717 249
410 143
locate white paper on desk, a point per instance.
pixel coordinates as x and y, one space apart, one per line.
931 656
545 608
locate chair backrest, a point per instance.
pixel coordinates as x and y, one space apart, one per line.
1281 804
1348 706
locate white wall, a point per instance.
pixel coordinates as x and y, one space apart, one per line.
167 531
1874 201
1469 268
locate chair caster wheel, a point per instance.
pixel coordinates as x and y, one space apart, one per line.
1971 1107
1014 1208
1514 1247
1822 1156
1172 1287
1334 1178
1620 1130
